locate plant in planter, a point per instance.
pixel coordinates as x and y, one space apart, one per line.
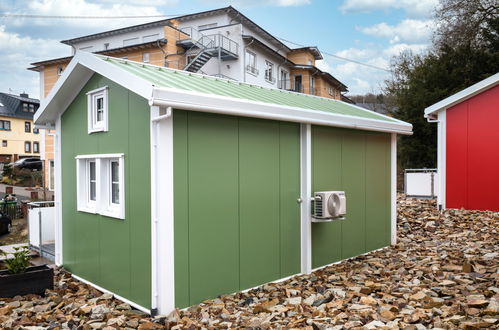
19 278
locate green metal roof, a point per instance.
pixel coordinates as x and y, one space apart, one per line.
168 78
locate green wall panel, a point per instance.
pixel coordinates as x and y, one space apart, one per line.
181 208
377 186
326 175
109 252
213 205
357 162
237 222
354 183
289 171
259 201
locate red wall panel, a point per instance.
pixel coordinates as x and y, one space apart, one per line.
456 155
473 153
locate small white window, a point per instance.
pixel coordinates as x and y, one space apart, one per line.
207 26
151 37
100 185
97 110
251 63
145 57
131 41
269 72
59 70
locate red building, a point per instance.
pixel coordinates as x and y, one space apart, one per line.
468 146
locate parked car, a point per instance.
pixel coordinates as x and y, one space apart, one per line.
28 163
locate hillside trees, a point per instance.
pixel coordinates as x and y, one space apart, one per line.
465 50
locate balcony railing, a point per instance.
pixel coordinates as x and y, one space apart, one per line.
252 70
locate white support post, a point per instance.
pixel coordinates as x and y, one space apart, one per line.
162 247
58 193
393 187
306 194
441 153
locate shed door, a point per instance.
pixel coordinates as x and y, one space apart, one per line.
237 220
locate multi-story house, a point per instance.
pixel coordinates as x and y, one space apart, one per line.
221 42
18 137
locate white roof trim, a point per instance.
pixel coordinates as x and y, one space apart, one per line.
84 64
191 100
463 95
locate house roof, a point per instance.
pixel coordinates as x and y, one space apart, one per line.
463 95
234 13
144 45
11 106
184 90
254 41
313 50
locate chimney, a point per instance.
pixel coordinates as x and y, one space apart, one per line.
23 94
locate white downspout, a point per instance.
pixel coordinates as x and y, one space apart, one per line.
306 194
441 155
393 188
162 263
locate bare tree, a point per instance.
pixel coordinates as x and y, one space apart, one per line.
465 22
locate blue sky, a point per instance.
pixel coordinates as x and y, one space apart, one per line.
368 31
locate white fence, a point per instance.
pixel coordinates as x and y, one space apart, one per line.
41 227
421 183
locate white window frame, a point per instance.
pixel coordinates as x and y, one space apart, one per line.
146 57
251 67
103 204
92 96
269 72
51 175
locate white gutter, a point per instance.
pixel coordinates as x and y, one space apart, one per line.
188 100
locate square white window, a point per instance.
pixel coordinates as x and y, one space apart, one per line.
97 108
100 185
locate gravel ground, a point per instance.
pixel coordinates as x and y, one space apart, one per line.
443 273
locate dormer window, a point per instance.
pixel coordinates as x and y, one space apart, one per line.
31 108
25 107
97 110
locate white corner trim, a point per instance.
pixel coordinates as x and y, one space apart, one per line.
442 157
129 302
463 95
393 188
162 216
306 193
58 193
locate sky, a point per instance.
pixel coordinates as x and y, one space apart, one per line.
367 31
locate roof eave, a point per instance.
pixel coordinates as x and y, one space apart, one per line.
463 95
196 101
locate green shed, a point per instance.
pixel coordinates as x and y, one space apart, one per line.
173 187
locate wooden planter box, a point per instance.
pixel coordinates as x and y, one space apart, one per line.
35 280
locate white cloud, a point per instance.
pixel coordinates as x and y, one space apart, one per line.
408 30
86 8
285 3
13 73
257 3
395 50
412 8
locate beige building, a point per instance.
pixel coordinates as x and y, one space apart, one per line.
18 137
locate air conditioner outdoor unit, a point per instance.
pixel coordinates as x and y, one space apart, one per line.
329 205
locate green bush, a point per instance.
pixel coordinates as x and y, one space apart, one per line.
20 260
